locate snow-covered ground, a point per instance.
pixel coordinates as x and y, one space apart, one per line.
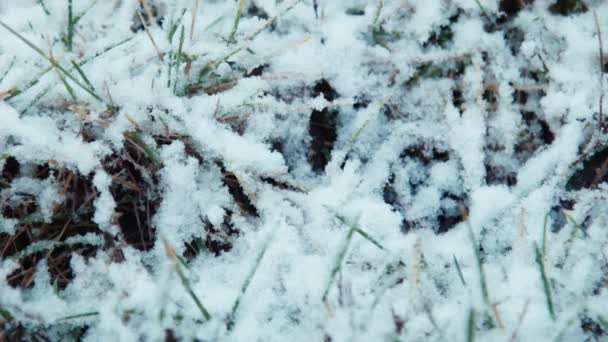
270 170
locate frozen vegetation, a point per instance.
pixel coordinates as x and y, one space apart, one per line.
312 170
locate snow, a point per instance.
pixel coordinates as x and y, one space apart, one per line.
441 110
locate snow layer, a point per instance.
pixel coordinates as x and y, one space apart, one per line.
443 199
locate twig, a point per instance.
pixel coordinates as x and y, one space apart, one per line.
160 55
194 15
149 13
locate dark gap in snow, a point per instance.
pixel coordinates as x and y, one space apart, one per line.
158 13
425 154
442 37
512 7
170 336
520 97
391 197
255 11
59 267
361 102
219 239
568 7
355 11
514 37
10 170
42 171
592 329
19 206
322 128
257 71
449 215
534 134
12 244
111 248
490 95
556 214
280 184
458 99
72 217
592 172
237 192
496 174
23 276
134 188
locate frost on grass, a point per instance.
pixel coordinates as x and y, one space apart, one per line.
334 170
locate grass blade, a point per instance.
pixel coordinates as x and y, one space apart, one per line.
82 75
185 281
464 283
237 19
82 315
46 11
546 285
338 263
6 315
66 85
36 79
151 153
471 326
70 36
178 58
51 60
258 261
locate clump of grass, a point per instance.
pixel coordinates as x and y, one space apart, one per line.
53 62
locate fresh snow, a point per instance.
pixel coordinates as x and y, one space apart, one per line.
428 178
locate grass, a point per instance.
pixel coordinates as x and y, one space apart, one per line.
545 280
342 252
74 77
237 19
464 283
185 281
63 71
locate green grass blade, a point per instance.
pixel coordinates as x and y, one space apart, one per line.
237 19
82 315
471 326
338 263
78 17
571 219
545 234
82 75
464 283
185 282
6 315
545 280
51 60
378 11
178 58
46 11
8 69
66 85
70 36
245 286
151 152
482 276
